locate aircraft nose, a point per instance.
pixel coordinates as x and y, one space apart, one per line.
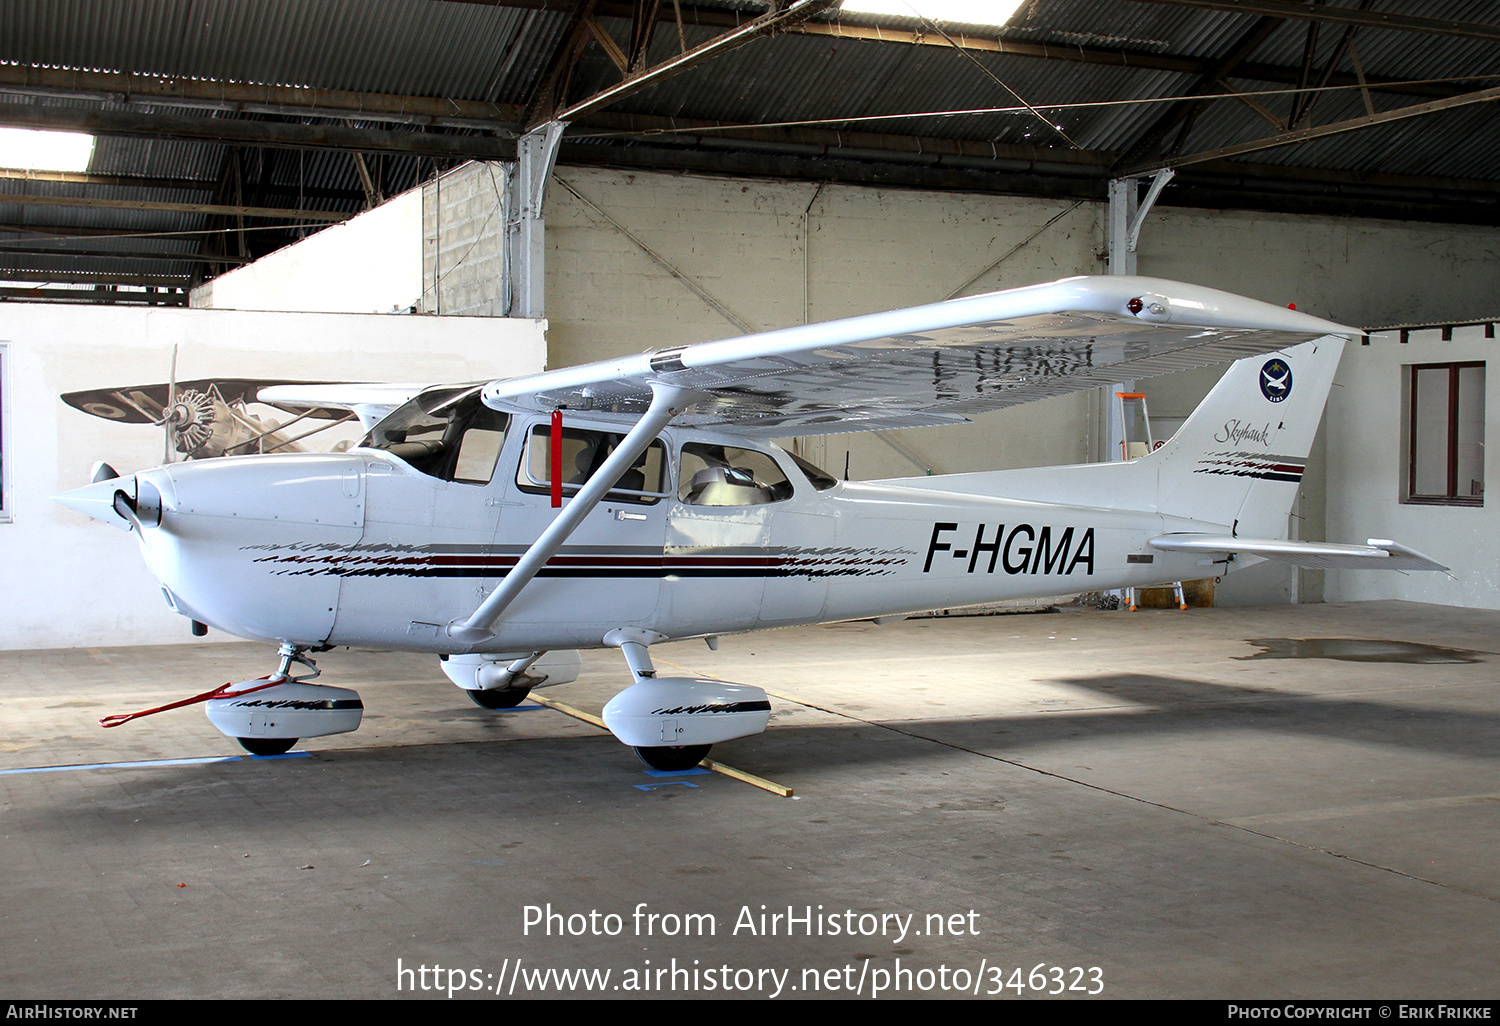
98 500
128 503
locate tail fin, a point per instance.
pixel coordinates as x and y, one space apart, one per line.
1238 460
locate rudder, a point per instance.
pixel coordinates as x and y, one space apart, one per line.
1238 460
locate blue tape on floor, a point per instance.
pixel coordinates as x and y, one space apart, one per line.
695 771
203 761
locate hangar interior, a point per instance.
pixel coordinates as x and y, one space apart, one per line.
462 190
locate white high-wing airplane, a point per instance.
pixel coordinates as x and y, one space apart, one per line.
641 500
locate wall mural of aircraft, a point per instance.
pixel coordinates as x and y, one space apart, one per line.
213 417
641 500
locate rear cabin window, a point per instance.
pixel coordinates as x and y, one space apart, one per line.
721 475
583 453
820 478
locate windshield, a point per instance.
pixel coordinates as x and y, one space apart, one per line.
446 432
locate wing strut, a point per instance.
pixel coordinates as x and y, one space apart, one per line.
666 402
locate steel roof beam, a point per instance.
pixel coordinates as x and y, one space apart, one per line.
180 184
73 231
48 277
1209 185
650 128
258 133
1469 188
551 89
239 97
1248 70
939 151
1345 16
1199 187
96 203
32 249
124 181
174 296
644 16
1321 131
997 43
252 98
773 21
1207 86
1303 104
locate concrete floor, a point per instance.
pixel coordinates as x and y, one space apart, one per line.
1136 794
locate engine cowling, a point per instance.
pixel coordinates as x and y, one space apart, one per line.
290 710
677 711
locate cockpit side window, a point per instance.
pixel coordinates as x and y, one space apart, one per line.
583 453
447 433
721 475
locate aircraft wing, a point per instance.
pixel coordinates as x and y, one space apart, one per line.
370 402
935 364
145 404
1376 554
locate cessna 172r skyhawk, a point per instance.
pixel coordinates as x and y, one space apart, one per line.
641 500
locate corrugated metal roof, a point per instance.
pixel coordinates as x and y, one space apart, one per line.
409 47
1137 57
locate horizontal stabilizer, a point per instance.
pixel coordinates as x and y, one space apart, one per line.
1376 554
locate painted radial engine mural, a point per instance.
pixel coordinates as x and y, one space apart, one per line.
212 417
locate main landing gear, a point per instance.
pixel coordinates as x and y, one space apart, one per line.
502 681
673 722
506 698
675 759
267 745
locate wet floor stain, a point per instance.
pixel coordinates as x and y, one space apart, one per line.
1359 650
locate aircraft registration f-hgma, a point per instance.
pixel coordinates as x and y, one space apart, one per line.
641 500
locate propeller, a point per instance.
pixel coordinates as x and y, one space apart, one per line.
191 419
198 424
171 416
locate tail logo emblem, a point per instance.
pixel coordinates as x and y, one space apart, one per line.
1276 380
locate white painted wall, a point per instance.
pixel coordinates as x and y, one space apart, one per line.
775 253
70 581
639 260
371 263
1365 456
866 249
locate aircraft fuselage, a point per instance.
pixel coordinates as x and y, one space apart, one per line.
363 549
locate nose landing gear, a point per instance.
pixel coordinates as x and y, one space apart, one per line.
272 718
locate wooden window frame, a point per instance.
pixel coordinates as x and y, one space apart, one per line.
7 499
1451 496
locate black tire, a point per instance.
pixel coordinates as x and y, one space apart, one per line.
500 698
267 745
673 760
